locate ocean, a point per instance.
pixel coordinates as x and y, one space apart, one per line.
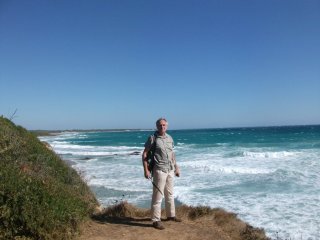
269 176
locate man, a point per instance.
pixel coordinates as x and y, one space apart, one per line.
164 169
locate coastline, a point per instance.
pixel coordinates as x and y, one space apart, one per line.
250 168
132 222
38 181
43 133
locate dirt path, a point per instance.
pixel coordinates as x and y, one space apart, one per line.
125 222
141 229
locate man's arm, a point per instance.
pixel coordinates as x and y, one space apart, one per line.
147 173
176 167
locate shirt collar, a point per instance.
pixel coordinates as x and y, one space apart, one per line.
156 133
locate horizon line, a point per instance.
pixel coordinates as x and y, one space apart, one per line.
174 129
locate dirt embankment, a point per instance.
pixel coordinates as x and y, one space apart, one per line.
125 221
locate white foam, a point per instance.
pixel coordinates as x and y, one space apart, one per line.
244 170
280 154
57 144
67 148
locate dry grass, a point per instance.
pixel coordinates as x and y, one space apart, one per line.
228 222
123 210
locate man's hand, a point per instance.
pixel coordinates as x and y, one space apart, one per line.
147 173
177 172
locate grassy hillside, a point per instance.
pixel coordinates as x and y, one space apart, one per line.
40 196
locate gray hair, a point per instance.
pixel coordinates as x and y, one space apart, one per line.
160 119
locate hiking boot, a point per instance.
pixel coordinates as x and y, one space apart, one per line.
158 225
174 219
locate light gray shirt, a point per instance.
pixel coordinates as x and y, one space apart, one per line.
163 156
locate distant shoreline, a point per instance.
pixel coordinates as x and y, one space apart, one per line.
40 132
58 132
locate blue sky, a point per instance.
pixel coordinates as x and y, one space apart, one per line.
123 64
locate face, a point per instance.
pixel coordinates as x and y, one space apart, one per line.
162 127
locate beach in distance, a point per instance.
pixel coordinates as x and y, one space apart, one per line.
267 175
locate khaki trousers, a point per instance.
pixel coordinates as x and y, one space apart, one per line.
164 181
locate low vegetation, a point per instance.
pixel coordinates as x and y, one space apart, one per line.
40 196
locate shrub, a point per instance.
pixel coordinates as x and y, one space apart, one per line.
41 197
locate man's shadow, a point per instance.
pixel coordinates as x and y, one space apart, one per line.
130 221
125 214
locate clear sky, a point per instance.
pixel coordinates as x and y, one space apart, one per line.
122 64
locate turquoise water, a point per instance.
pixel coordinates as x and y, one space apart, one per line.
269 176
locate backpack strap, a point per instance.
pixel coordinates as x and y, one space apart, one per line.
151 152
154 139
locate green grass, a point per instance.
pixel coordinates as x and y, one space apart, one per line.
41 197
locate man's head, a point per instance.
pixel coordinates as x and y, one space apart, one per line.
162 125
